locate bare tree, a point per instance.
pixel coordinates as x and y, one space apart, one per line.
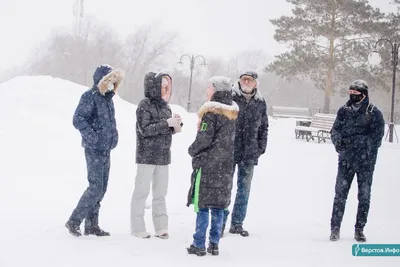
74 53
251 60
142 52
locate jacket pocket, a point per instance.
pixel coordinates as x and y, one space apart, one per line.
104 140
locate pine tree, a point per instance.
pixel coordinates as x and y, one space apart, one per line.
389 29
329 42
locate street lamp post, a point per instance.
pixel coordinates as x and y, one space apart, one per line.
192 61
395 61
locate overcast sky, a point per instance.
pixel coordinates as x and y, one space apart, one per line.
207 27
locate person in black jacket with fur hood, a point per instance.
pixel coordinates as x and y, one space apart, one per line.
212 160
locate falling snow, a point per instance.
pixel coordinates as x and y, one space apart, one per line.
43 173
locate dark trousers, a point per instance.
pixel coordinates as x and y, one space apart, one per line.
202 222
98 169
346 173
244 178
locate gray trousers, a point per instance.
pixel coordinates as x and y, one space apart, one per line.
157 176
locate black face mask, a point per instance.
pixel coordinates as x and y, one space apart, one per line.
356 98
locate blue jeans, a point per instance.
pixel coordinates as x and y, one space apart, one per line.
245 175
98 168
202 221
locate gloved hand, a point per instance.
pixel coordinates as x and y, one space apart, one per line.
174 122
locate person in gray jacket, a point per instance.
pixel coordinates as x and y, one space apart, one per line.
155 126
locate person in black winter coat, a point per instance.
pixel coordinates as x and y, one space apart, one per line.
250 143
95 119
357 135
155 126
212 161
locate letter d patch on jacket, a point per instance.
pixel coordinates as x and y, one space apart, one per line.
203 127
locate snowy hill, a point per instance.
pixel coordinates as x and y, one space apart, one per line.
43 174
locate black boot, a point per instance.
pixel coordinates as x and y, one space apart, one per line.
238 230
359 235
73 228
213 249
335 235
197 251
96 230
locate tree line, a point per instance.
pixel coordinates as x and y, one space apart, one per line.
328 46
329 42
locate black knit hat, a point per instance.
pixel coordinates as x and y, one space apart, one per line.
360 86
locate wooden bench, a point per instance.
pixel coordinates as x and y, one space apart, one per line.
320 127
290 112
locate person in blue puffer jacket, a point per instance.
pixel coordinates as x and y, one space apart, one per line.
95 119
357 135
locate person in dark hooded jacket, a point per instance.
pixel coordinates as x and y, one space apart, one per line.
95 119
357 135
155 125
212 161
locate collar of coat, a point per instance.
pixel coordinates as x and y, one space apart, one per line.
236 91
364 106
229 111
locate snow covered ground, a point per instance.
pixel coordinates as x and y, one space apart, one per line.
43 174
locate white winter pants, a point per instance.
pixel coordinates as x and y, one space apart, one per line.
157 176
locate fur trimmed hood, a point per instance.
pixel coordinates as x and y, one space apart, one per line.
106 74
236 91
229 111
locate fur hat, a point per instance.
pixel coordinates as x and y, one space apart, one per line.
221 83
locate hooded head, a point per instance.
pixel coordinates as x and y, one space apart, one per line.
158 86
106 78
